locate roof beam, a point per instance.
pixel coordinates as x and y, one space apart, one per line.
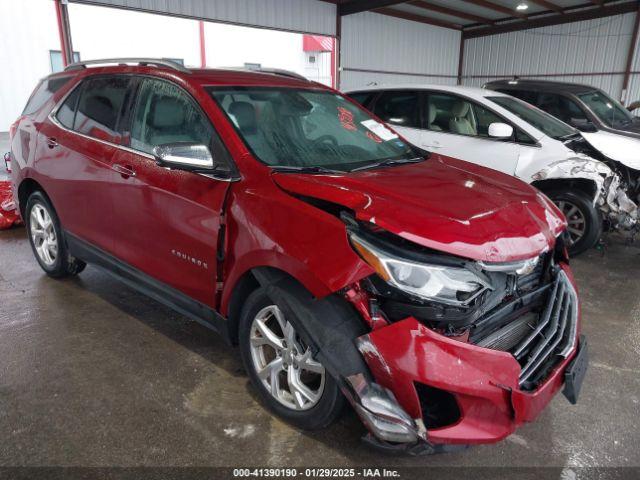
548 5
497 8
417 18
547 21
357 6
451 12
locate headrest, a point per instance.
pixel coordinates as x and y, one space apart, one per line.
167 112
244 114
100 109
433 114
460 109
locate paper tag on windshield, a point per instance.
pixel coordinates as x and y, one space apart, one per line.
380 130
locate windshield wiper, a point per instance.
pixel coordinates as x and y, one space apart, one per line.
309 169
388 163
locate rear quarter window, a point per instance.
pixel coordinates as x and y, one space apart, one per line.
43 93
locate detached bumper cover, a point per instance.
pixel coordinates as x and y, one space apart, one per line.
485 383
9 215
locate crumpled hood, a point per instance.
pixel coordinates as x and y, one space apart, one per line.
445 204
620 148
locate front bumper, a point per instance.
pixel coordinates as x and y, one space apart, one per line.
484 384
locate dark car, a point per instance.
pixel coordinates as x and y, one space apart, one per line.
432 294
584 107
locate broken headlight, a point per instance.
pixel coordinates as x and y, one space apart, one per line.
444 284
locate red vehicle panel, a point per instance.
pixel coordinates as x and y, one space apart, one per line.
283 215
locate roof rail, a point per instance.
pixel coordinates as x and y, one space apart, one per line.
272 71
159 62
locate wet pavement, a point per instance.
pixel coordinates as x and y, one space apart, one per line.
94 374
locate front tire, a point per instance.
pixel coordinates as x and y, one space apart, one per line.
584 220
289 381
47 240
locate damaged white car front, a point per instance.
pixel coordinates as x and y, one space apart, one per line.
605 187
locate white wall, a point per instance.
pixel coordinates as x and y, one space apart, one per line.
27 32
593 46
101 32
371 41
312 16
233 46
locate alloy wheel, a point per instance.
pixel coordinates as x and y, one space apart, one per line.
43 234
575 218
284 365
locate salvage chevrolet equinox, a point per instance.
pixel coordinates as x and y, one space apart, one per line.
432 295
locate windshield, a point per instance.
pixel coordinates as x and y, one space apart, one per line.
550 126
610 112
300 129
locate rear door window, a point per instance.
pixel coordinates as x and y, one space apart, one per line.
100 107
401 108
529 97
561 107
363 98
43 93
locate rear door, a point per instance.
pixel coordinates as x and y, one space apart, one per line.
459 128
167 221
77 152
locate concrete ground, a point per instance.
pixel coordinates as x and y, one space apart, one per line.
94 374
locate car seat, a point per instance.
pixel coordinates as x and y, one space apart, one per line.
433 114
460 122
168 122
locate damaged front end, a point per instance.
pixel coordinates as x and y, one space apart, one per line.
462 352
619 211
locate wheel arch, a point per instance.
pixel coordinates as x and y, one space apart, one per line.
246 284
25 189
585 185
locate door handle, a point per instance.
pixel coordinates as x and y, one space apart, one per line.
124 171
52 142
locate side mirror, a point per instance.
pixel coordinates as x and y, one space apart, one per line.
500 130
185 156
583 125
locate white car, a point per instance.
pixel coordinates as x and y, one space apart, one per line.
501 132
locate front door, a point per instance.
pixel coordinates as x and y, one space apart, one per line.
459 128
167 221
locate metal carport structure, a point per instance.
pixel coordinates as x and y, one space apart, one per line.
438 41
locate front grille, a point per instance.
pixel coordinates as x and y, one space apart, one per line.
553 337
538 328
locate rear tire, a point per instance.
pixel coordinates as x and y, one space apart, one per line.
585 221
47 240
298 377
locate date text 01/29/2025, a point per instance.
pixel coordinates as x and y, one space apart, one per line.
315 473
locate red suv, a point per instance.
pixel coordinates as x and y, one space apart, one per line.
432 294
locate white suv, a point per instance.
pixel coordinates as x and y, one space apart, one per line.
501 132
